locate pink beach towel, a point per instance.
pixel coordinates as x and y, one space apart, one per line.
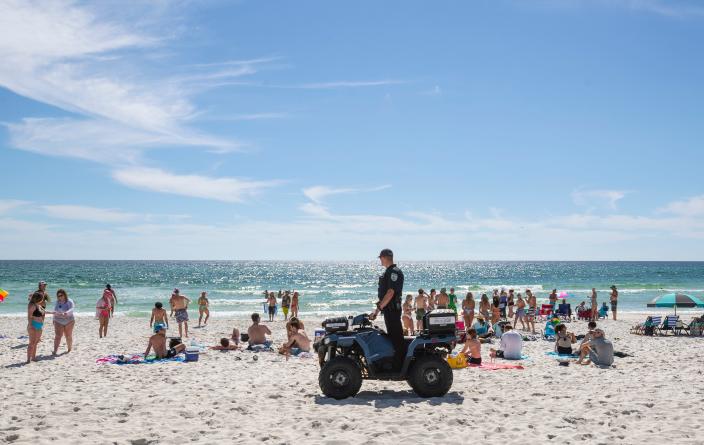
496 366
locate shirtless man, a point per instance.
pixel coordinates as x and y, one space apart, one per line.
421 304
472 348
225 345
443 299
595 306
431 300
258 332
297 338
532 310
159 315
179 306
158 342
271 305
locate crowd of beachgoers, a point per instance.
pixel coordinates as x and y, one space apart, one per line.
495 317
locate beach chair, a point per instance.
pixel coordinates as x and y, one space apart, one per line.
696 327
669 324
564 311
545 311
585 314
653 321
603 312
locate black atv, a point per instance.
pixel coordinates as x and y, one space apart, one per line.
365 352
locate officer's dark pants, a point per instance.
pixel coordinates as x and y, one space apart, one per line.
394 328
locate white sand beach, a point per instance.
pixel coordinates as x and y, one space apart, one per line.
228 397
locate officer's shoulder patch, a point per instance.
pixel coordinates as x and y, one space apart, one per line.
394 276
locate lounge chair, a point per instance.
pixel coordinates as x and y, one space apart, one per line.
669 324
695 327
653 321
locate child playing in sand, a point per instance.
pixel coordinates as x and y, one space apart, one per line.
257 333
472 348
158 342
159 315
225 345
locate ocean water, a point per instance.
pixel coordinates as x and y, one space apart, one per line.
235 288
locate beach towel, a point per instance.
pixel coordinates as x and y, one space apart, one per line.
523 357
135 359
561 356
496 366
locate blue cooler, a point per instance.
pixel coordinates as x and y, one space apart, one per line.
192 354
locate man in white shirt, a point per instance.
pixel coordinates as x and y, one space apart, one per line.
511 344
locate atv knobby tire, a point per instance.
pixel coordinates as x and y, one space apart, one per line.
430 376
340 378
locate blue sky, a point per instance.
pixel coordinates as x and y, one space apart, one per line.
502 129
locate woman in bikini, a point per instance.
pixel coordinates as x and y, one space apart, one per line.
63 320
102 310
407 316
468 310
203 308
564 340
35 324
485 307
495 310
294 305
520 313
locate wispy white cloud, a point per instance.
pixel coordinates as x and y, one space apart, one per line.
7 205
665 8
319 192
692 207
347 84
247 117
91 214
220 189
598 198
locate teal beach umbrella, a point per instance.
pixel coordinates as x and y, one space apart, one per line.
676 300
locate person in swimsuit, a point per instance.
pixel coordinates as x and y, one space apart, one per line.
472 348
595 306
286 304
294 304
158 342
112 298
258 332
496 310
407 316
564 340
297 339
35 324
510 303
102 308
503 302
485 307
468 310
443 299
614 301
532 308
159 315
432 300
520 313
203 308
271 305
225 345
421 307
179 306
63 320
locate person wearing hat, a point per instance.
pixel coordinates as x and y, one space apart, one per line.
390 294
614 301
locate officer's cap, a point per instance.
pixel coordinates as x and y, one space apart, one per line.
386 253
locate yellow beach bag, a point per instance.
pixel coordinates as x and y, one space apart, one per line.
458 361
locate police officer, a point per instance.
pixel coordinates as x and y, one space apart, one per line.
390 294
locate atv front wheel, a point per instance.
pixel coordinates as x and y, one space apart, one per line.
340 378
430 376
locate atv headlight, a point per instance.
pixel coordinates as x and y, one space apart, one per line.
326 341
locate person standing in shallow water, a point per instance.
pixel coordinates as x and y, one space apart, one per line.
614 301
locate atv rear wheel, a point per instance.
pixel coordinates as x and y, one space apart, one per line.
340 378
430 376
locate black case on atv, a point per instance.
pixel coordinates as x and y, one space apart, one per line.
337 324
439 321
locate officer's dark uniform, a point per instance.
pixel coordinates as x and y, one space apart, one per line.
393 279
